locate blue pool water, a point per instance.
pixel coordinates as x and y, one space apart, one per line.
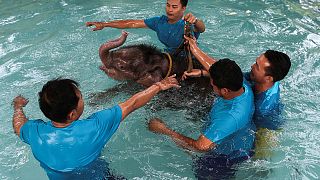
41 40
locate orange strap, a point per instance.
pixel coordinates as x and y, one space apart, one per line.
170 64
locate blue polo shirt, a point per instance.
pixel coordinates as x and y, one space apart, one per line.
230 126
268 107
171 35
69 152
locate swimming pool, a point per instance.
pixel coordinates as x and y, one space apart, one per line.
41 40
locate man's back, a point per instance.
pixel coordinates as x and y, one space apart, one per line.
231 126
63 150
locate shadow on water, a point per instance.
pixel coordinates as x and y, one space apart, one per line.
195 96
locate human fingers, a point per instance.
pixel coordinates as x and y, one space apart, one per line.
124 33
190 40
156 125
172 76
191 18
156 120
20 100
184 77
187 16
173 80
90 23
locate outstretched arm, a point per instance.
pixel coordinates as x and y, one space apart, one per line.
120 24
195 73
202 144
19 118
140 99
198 24
202 57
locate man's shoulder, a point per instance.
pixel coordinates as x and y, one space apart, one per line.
34 122
113 113
162 18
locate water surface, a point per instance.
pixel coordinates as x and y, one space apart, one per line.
41 40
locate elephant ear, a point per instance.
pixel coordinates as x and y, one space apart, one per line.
149 78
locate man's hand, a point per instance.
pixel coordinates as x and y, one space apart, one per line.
168 83
193 73
19 117
190 18
99 25
141 98
198 24
19 102
158 126
191 41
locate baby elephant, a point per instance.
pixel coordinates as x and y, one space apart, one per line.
144 64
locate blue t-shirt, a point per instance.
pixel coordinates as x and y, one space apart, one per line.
66 152
231 127
171 35
268 107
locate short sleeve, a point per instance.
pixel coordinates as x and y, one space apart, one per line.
108 120
27 129
152 22
246 76
220 128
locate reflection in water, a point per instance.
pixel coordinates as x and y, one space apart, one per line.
43 40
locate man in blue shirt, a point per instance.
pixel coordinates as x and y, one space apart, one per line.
270 67
68 147
229 134
169 27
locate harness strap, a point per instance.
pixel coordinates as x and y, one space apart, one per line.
187 32
170 64
189 59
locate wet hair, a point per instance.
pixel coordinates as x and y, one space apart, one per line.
58 98
184 3
225 73
279 64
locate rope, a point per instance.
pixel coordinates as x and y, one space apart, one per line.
187 32
189 59
170 64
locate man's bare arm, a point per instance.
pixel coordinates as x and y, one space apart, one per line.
202 144
140 99
120 24
202 57
19 118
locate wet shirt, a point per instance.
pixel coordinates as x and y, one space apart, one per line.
268 107
171 35
230 125
64 151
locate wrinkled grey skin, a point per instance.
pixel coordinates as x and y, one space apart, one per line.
141 63
146 65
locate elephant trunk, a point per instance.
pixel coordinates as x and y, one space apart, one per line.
104 48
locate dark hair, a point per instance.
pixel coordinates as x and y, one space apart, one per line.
225 73
184 3
58 98
279 64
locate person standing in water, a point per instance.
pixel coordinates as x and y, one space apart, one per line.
68 147
169 27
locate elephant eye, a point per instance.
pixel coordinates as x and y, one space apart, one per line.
120 66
